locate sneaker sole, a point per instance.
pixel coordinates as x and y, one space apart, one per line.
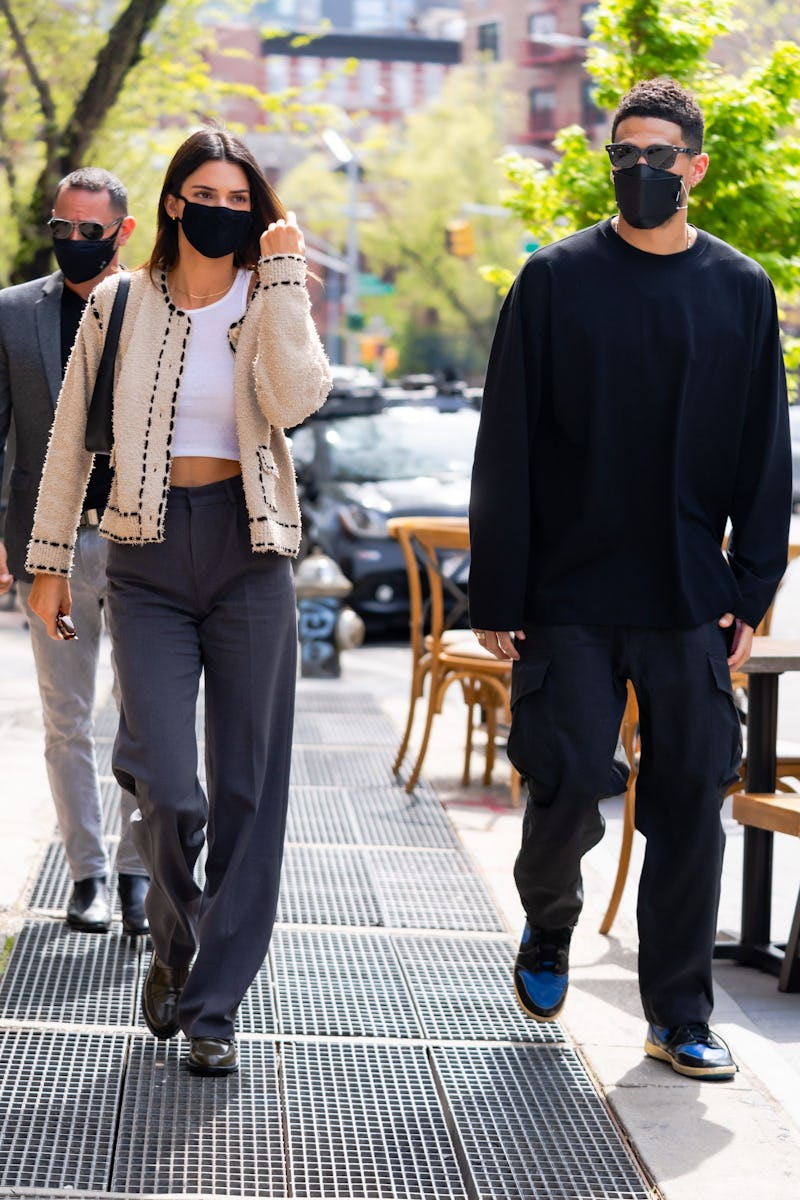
692 1072
535 1016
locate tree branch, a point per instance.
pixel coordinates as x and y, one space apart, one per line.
40 85
477 328
66 149
118 56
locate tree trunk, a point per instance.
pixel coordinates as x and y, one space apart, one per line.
67 151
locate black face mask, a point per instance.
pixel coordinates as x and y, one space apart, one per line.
214 231
647 196
81 260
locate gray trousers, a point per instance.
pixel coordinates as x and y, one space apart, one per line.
67 676
202 602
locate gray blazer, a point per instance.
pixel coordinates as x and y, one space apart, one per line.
30 381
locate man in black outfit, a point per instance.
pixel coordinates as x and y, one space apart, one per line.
635 402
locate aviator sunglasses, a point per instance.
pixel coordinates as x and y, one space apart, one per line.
93 231
623 155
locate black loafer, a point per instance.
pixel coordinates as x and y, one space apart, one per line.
89 906
212 1056
161 996
132 893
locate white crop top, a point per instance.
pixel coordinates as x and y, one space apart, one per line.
205 424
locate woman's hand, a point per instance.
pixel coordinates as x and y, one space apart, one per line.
283 237
50 595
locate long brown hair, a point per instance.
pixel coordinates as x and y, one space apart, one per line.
205 144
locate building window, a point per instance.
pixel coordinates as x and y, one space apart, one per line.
541 110
542 25
369 81
403 85
588 18
489 39
590 113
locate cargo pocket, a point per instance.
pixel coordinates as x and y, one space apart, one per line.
726 733
530 740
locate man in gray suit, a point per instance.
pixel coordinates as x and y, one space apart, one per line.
38 323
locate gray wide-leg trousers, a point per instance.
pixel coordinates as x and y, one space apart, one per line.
202 602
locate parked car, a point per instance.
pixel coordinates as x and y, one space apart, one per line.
794 425
356 470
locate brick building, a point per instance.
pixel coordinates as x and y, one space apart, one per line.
544 44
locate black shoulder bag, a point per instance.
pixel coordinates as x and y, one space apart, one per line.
99 432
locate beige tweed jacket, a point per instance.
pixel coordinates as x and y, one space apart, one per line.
281 375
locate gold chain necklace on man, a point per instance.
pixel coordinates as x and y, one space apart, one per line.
691 232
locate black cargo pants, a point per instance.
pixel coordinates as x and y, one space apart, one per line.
568 694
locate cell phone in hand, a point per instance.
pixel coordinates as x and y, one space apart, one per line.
66 627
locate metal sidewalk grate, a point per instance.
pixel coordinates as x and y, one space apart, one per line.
431 889
61 1091
106 720
331 983
335 699
365 1121
184 1134
103 750
257 1012
55 974
336 729
532 1125
462 989
390 817
321 885
321 815
335 766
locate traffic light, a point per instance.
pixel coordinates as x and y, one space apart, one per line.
459 237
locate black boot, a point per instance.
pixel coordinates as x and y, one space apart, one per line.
132 893
89 906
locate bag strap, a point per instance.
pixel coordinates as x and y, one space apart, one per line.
104 383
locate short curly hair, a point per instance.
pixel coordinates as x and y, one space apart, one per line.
665 99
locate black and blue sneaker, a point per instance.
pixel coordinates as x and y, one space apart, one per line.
691 1050
541 972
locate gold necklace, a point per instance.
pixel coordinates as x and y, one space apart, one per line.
691 232
211 295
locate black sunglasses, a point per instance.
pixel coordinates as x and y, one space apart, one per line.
93 231
623 155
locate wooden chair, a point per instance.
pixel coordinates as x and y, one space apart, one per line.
435 549
787 768
629 735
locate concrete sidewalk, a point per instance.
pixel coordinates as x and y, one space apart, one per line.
738 1140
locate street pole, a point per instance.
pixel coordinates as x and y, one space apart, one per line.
348 160
351 299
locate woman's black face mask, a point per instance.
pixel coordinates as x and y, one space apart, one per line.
214 231
647 196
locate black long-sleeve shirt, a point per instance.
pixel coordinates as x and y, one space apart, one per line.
634 403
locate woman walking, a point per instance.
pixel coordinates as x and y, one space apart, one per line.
218 355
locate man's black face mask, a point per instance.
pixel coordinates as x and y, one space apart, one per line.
647 196
81 261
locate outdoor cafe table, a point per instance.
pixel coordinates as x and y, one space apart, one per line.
769 659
